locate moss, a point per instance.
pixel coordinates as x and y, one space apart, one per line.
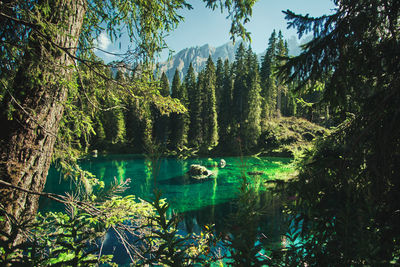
289 137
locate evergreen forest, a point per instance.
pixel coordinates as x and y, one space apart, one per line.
334 109
228 106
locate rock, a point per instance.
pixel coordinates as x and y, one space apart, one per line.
222 163
94 153
199 172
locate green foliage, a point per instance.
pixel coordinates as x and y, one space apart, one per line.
161 122
347 189
246 108
179 122
194 107
171 248
76 238
209 107
243 240
290 137
225 107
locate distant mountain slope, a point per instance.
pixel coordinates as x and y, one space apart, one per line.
198 56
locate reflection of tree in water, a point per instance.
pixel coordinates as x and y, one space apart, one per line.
120 166
101 172
150 173
271 224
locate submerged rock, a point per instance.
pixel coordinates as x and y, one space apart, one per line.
199 172
222 163
94 153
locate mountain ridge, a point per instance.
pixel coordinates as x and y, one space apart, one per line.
198 55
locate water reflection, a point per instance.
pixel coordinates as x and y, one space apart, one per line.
200 202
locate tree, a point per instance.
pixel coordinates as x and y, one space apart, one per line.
178 122
281 89
246 98
42 41
194 106
268 86
348 186
39 95
219 83
239 87
161 125
210 121
252 122
225 109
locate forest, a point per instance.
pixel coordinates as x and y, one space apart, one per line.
225 102
59 102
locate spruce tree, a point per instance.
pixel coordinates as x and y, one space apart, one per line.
161 122
138 119
268 91
239 88
225 109
179 122
194 105
219 83
348 186
210 121
281 88
251 128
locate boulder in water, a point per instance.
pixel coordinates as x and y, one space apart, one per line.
222 163
199 172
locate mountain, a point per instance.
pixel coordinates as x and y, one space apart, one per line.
198 56
294 45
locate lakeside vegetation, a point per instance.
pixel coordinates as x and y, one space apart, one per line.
58 100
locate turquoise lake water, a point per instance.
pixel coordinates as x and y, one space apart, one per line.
199 202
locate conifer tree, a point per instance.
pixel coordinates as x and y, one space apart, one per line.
225 109
281 89
251 125
219 83
268 91
194 105
197 120
348 186
210 121
246 99
239 88
138 125
179 122
161 122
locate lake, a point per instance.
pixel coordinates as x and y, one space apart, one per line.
199 202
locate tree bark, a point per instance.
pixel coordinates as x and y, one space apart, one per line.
38 95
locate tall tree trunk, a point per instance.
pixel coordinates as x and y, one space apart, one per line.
38 95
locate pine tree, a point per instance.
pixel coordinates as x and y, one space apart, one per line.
246 99
348 185
219 83
268 91
194 107
179 122
252 121
161 122
113 120
210 121
225 109
281 89
239 88
139 125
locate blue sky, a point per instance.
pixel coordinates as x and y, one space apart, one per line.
202 25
